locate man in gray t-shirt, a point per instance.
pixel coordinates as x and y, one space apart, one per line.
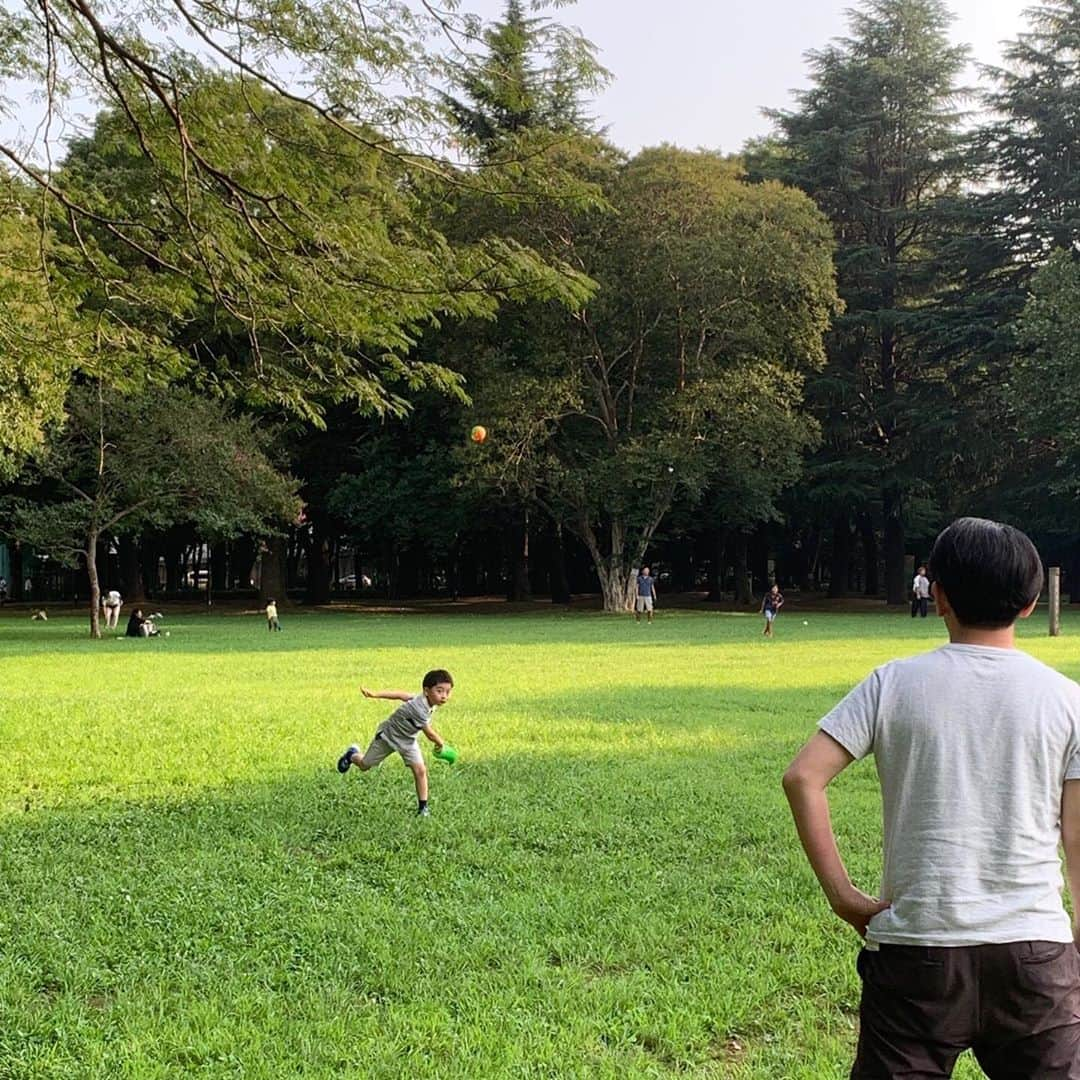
977 749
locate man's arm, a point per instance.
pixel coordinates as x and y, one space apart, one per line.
1070 841
434 736
805 781
388 695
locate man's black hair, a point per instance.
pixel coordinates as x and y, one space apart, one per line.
433 678
990 572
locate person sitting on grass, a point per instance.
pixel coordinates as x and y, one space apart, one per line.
138 626
398 732
977 750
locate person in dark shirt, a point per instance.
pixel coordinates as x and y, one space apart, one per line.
140 627
770 608
646 594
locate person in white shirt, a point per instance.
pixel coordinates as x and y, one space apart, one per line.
977 749
920 593
111 605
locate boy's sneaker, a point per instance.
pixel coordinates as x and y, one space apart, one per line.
345 760
423 812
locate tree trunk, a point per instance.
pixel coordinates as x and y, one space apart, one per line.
95 585
18 576
242 556
131 578
518 556
291 548
758 555
841 556
718 543
560 584
219 566
895 590
616 585
868 536
174 551
683 576
616 582
272 578
743 593
319 565
1072 576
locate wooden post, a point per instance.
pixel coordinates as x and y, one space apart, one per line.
1055 601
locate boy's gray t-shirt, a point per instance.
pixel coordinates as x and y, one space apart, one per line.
406 721
973 745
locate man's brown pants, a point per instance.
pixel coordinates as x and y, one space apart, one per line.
1017 1006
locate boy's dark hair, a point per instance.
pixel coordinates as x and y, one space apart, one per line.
439 675
990 572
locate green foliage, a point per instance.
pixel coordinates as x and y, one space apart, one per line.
280 247
1045 383
307 275
876 141
38 339
1030 144
125 463
532 75
713 298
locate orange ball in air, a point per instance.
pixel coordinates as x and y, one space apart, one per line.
478 434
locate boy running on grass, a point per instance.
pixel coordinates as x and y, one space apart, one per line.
977 748
398 732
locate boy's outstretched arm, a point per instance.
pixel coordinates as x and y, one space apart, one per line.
388 695
805 781
1070 841
434 736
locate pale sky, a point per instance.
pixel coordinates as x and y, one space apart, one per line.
697 72
691 72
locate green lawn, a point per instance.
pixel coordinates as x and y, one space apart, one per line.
609 884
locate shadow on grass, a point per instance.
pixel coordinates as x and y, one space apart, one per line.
558 914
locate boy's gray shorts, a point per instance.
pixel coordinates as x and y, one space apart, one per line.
381 748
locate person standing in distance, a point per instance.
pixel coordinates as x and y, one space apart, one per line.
646 594
977 749
771 604
920 593
111 603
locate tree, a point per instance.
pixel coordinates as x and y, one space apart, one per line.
1030 145
126 462
713 296
239 216
530 78
875 141
522 98
40 339
1045 384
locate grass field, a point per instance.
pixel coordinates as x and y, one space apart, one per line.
609 884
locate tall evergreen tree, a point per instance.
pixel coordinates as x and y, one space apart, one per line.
1030 148
531 77
875 141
